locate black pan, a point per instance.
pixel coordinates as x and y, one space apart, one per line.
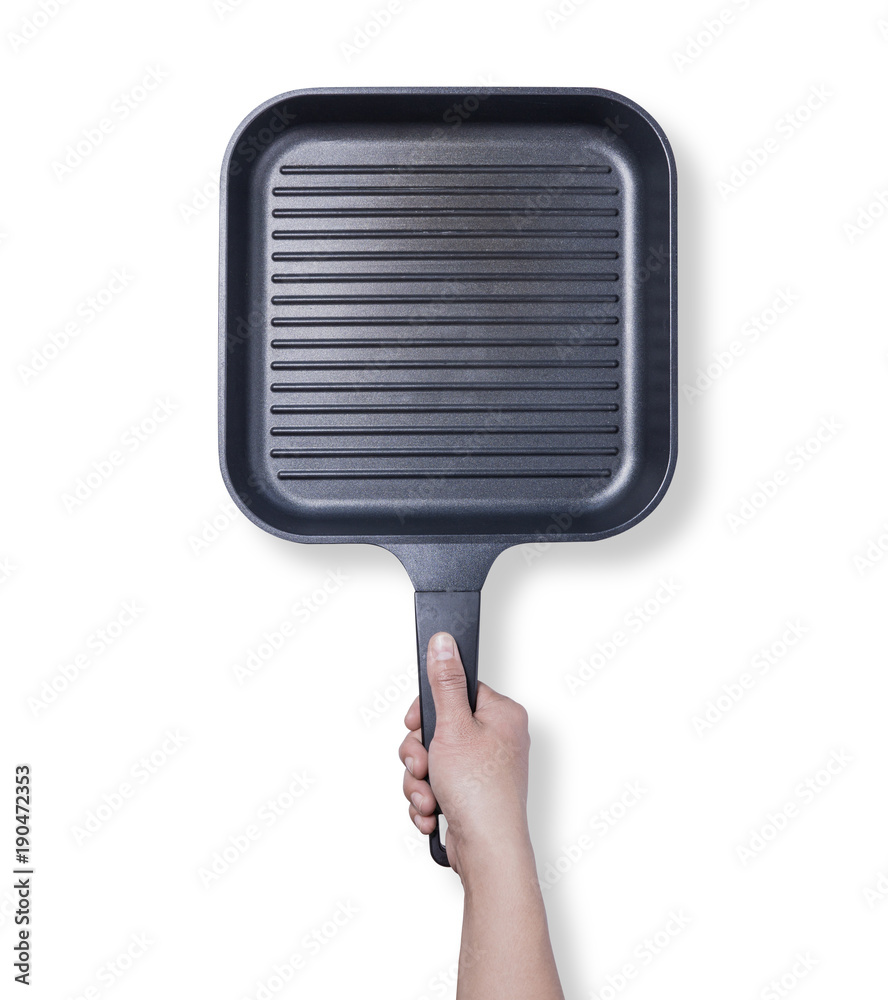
448 326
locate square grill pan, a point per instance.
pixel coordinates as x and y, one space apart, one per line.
448 326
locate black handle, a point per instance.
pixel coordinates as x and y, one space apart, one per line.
456 612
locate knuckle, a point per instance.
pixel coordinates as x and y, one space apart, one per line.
450 677
517 715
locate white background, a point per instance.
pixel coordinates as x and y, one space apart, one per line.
144 201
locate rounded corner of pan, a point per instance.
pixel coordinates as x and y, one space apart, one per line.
649 119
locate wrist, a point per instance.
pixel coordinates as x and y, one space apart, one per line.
495 863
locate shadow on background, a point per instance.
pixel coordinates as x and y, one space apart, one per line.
637 548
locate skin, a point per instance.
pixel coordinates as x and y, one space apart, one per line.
478 764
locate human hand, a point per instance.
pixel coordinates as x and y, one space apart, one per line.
478 765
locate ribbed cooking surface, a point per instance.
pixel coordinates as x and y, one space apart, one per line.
454 322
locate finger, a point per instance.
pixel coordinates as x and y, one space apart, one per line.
414 756
425 824
412 718
448 681
420 794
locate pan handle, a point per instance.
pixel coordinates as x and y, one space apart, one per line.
456 612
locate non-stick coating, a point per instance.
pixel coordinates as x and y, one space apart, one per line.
448 315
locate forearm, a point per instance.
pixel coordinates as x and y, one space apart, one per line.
506 953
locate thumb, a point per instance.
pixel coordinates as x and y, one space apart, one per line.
447 679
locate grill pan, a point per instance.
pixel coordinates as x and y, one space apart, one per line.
448 326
